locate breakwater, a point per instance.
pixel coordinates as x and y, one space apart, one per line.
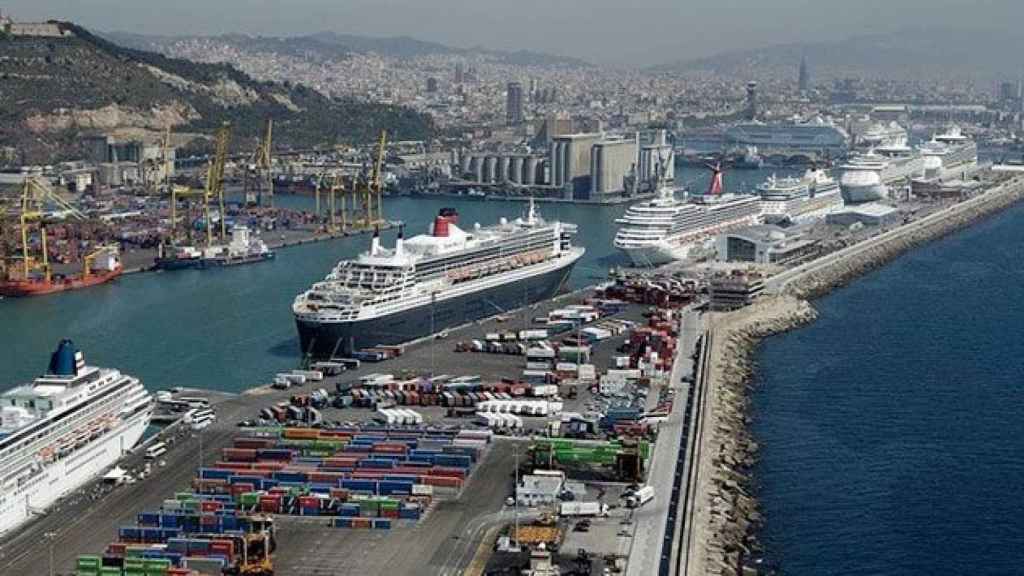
727 509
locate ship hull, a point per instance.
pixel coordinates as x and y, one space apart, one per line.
861 194
334 339
176 263
20 288
64 476
223 262
651 255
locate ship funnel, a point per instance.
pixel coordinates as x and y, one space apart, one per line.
446 217
375 243
715 187
66 361
400 242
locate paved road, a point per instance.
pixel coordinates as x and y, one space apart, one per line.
648 544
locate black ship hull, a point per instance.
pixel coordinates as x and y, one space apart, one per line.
337 339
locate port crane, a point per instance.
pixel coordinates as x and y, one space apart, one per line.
375 188
36 194
213 189
259 182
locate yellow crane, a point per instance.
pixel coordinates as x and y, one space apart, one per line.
259 182
215 180
35 195
87 261
375 187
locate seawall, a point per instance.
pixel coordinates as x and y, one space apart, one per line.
727 517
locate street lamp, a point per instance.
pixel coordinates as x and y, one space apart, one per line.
50 537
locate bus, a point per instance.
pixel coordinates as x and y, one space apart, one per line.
155 451
199 418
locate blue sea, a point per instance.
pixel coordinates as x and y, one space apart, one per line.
232 329
892 429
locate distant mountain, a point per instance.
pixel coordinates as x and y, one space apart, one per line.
907 54
334 45
54 91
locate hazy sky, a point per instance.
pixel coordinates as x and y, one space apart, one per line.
616 31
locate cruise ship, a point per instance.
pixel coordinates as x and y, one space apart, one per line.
791 199
62 430
815 134
861 179
951 153
666 228
434 281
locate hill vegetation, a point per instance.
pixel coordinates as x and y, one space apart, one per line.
54 91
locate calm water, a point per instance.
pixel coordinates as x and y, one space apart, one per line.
232 329
892 429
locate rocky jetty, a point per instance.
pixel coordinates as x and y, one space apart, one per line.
728 510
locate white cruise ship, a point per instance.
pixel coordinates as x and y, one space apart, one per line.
861 179
949 154
666 228
793 199
434 281
62 430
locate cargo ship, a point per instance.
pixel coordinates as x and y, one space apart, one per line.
434 281
667 228
244 248
62 430
99 268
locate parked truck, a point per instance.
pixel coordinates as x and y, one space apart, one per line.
583 509
640 497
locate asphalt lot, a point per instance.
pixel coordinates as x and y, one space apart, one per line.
87 521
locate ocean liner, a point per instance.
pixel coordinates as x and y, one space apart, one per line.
434 281
666 228
62 430
791 199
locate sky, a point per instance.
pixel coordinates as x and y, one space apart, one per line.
601 31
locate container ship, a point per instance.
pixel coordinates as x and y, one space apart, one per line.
785 200
99 267
434 281
666 228
62 430
244 248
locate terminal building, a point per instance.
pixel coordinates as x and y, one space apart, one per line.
871 214
765 244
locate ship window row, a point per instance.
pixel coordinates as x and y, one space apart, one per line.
493 253
88 408
56 432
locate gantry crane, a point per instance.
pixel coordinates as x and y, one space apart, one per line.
215 180
259 182
335 190
35 195
374 189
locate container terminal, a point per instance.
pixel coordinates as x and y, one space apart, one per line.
341 488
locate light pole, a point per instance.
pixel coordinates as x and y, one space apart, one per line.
50 536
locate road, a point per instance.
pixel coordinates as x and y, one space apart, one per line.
649 550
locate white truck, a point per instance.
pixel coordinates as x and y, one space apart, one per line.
583 509
640 497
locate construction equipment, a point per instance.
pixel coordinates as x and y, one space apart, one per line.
336 192
215 179
259 183
35 195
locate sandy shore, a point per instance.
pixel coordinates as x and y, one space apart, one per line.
727 517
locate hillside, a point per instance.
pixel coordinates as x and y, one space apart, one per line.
336 45
55 90
908 54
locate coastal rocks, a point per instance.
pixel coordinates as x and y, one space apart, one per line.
842 270
731 518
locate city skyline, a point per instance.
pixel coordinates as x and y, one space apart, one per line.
648 32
